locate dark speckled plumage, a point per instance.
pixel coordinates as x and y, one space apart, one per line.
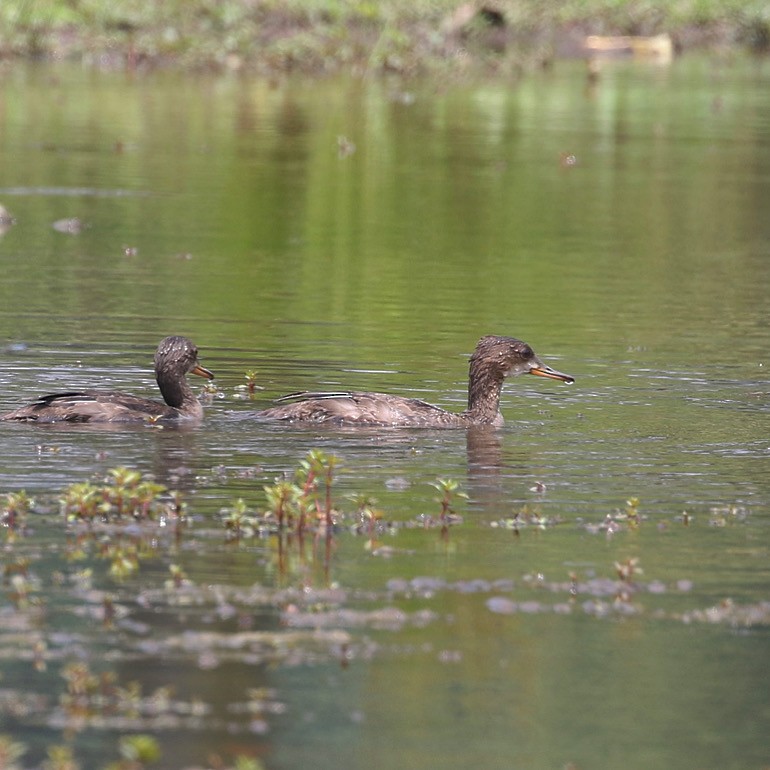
174 358
494 359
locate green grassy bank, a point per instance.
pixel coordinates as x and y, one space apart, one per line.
408 36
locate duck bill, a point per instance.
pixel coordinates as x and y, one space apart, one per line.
201 372
541 370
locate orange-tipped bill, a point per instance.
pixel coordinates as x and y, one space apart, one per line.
541 370
201 372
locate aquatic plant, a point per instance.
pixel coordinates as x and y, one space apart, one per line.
136 751
90 696
81 681
21 592
632 512
124 494
295 504
283 503
251 382
178 576
13 515
318 465
627 569
21 586
80 502
60 758
249 389
238 521
10 751
368 516
449 489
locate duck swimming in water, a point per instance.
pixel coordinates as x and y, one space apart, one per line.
494 359
174 358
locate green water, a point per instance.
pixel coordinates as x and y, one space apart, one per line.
364 234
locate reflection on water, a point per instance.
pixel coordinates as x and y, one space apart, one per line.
558 622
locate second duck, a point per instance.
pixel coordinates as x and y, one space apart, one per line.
494 359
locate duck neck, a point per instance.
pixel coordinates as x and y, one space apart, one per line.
484 387
177 393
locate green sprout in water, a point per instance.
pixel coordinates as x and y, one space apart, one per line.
129 494
318 465
449 493
124 494
239 522
283 502
80 502
632 511
251 381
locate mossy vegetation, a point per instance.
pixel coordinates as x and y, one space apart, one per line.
407 36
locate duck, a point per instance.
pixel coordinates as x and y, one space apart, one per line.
175 358
494 359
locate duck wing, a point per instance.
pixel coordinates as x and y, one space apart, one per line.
354 408
91 406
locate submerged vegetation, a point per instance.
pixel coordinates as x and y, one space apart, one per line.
328 35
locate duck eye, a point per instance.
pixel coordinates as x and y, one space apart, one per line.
527 352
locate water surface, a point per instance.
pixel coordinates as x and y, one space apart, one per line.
364 235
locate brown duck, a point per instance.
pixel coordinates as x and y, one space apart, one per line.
174 358
494 359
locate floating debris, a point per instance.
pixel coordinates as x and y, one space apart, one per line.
345 147
71 226
7 220
657 47
398 483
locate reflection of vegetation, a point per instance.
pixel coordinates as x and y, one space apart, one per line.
21 587
60 758
136 752
10 751
124 497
